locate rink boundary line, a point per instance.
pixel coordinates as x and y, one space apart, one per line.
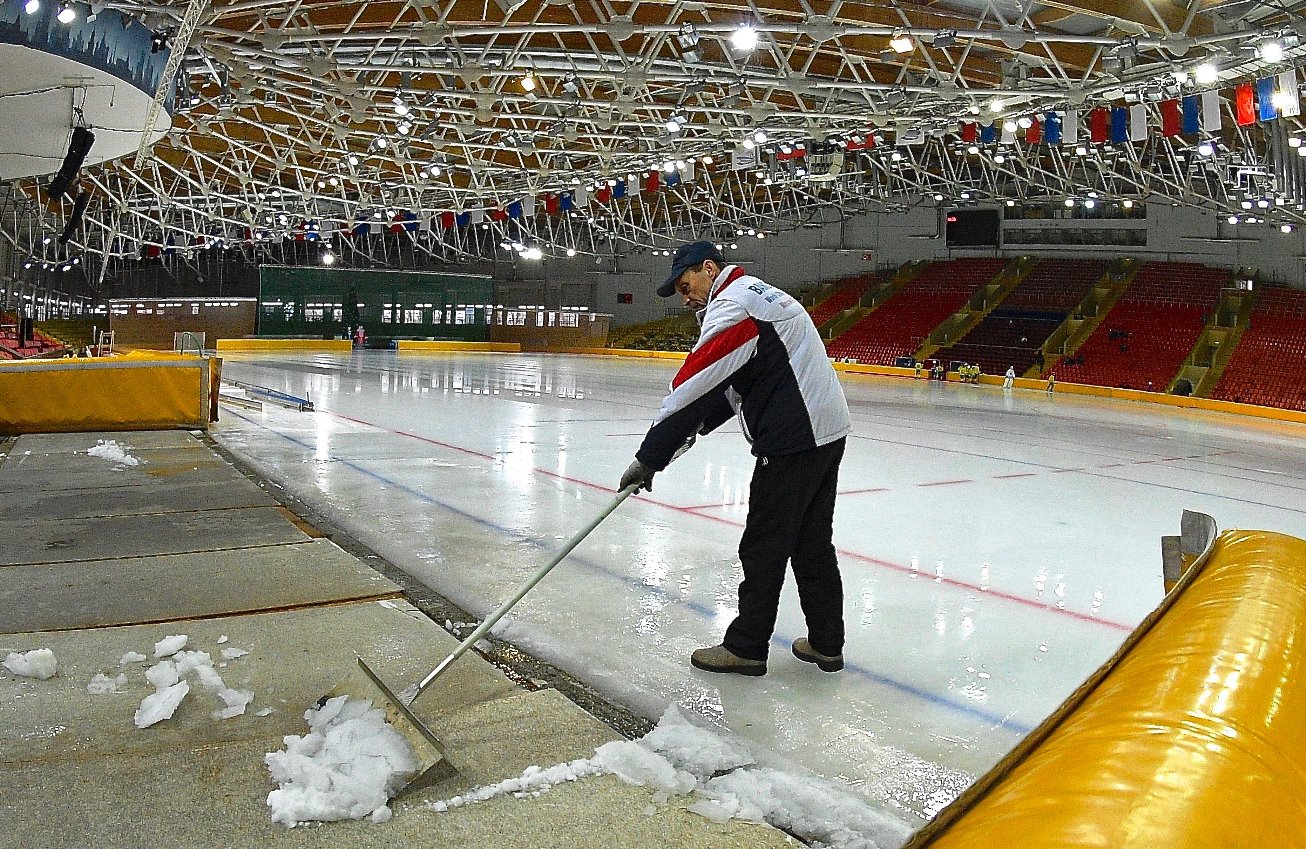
777 640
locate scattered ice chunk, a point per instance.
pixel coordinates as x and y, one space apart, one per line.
109 449
163 674
347 767
222 639
102 684
267 711
161 705
237 701
188 661
170 645
131 657
232 654
37 663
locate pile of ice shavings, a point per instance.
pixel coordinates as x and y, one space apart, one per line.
113 452
679 758
347 767
37 663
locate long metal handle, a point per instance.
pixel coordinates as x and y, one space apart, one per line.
493 618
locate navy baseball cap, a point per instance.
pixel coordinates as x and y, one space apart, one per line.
687 257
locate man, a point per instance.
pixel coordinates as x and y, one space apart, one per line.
759 355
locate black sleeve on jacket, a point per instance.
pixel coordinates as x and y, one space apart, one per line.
666 436
719 413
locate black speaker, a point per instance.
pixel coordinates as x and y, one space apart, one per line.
78 147
75 220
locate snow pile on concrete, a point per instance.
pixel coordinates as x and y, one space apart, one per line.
37 663
678 758
109 449
347 767
131 657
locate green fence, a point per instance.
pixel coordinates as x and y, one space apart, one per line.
329 302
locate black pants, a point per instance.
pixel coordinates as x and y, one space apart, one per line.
790 519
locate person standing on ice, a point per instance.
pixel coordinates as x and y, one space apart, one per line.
759 356
1010 379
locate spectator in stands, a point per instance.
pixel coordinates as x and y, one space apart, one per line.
759 355
1010 379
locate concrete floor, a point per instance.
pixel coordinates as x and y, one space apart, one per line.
98 559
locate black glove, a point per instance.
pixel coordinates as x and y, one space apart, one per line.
640 474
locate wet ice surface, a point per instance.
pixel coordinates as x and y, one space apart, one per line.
996 547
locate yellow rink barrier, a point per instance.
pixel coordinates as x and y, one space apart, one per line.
140 391
414 345
284 345
1190 737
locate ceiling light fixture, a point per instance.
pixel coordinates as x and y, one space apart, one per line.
1206 73
901 42
744 39
67 14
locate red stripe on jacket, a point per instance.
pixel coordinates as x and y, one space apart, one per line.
718 347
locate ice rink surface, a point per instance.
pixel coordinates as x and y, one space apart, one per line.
996 546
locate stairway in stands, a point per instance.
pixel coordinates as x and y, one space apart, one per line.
1143 341
1013 333
898 327
1268 366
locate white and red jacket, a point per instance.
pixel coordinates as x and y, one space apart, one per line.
759 355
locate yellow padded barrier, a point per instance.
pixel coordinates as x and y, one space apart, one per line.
284 345
1190 738
141 391
415 345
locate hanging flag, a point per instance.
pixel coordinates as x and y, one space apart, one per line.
566 201
464 219
1008 136
1070 127
1265 98
447 220
988 133
1138 122
1098 122
604 193
1170 117
1191 124
552 203
1244 104
687 173
499 214
1052 128
1211 115
1291 104
478 215
513 210
1034 132
673 178
528 206
632 184
619 190
653 181
580 196
969 131
1119 125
